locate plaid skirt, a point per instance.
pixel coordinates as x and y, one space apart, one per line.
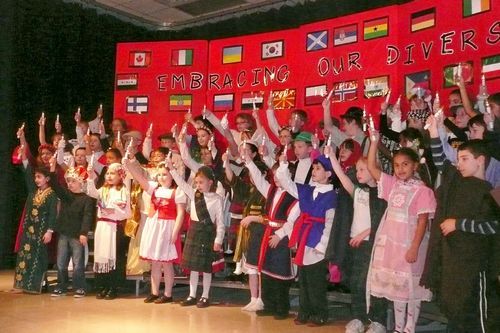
198 253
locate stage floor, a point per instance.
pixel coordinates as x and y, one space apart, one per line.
42 313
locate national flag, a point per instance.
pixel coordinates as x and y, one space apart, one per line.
248 99
451 72
139 59
345 35
182 57
223 102
491 65
376 28
180 102
137 104
419 79
376 86
423 19
232 54
317 40
345 91
126 81
272 49
284 99
315 94
471 7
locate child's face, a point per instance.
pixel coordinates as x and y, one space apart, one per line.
206 157
84 126
476 132
111 158
461 118
415 123
405 142
301 149
157 157
319 174
362 174
163 177
468 165
495 109
116 126
242 124
404 166
344 153
56 139
285 137
74 185
112 178
45 156
454 99
202 183
350 127
295 122
247 151
95 143
167 143
80 157
203 137
41 181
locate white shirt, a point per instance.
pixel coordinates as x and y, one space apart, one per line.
361 217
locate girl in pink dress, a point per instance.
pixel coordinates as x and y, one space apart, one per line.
402 238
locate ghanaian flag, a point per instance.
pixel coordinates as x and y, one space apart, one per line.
376 28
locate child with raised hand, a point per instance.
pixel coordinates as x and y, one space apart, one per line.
402 238
462 266
274 265
368 211
73 224
110 243
37 228
205 234
160 242
310 235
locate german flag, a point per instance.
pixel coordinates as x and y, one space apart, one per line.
423 19
376 28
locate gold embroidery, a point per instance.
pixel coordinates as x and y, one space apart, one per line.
19 277
22 264
34 212
41 196
31 230
27 247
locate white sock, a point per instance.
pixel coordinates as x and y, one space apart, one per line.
207 281
155 277
399 315
412 316
193 283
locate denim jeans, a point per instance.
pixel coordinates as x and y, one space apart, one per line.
66 247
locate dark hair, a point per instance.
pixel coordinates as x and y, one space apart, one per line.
166 136
208 173
455 108
42 170
408 152
115 152
348 144
81 148
354 113
456 92
412 134
205 122
122 121
477 120
476 147
494 98
300 113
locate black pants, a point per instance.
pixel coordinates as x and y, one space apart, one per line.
312 296
275 295
116 277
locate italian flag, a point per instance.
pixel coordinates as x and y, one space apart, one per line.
182 57
472 7
491 64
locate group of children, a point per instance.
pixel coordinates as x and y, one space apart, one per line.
355 205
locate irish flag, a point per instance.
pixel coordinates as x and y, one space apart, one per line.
182 57
471 7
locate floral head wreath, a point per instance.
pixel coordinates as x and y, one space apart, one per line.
118 168
78 173
205 128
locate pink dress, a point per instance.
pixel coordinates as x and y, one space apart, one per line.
390 275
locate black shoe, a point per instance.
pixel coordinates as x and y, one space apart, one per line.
163 299
264 313
151 298
316 321
188 301
111 294
281 316
101 294
203 303
301 319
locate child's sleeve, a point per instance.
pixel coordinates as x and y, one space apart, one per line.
219 222
91 189
52 212
323 243
180 197
283 175
258 179
181 183
385 185
478 226
424 201
87 216
292 216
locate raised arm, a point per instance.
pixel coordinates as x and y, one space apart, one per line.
438 156
181 183
272 122
258 179
135 170
346 182
283 175
186 157
372 156
41 130
466 102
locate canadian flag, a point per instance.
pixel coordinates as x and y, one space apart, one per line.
139 59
